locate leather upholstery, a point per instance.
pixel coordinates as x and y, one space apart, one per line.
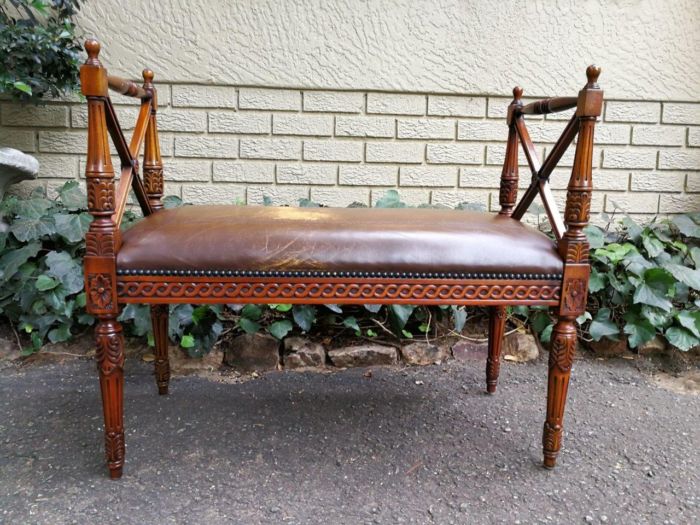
335 239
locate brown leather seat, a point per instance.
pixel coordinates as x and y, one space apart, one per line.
434 241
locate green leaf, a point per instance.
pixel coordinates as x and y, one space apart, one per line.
596 282
695 255
21 86
634 230
546 334
334 308
684 274
72 227
390 199
187 341
12 260
681 338
60 334
371 333
602 326
281 307
65 269
248 326
31 229
45 282
72 196
33 208
304 316
652 245
351 322
374 308
279 329
399 315
645 294
614 252
252 312
459 314
407 334
172 201
686 226
639 331
139 315
424 328
307 203
657 317
585 316
690 320
596 236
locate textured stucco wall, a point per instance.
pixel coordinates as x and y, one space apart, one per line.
648 48
340 100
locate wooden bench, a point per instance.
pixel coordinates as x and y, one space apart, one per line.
246 254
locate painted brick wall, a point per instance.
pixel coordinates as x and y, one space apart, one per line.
225 144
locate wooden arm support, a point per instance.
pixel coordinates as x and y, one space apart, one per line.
548 105
127 87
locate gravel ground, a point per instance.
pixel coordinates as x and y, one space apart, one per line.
420 445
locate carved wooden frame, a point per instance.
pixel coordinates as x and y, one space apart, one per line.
108 286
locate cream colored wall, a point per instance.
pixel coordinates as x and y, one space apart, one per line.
648 48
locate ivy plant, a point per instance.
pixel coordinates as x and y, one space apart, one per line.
645 282
40 49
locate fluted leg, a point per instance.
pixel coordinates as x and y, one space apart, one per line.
110 365
497 323
159 318
561 357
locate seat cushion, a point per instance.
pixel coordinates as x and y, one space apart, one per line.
407 240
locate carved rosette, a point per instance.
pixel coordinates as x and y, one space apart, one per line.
574 297
100 292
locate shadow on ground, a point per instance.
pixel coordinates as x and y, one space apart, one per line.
416 445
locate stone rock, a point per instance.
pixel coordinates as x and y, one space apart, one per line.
422 353
520 347
657 345
365 355
182 364
470 350
299 352
16 166
609 348
252 352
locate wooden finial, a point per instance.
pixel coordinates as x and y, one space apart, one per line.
147 76
592 72
92 47
517 93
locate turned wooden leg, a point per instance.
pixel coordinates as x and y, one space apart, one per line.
110 364
497 323
159 318
561 357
